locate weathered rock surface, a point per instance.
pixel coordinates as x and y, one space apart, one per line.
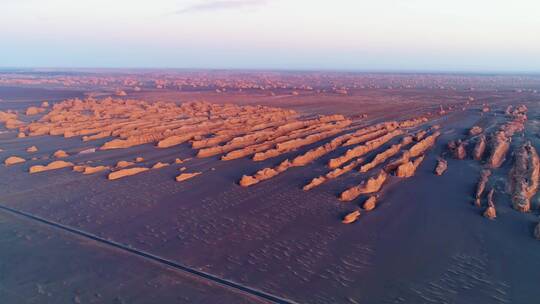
370 203
524 177
372 185
96 169
475 131
12 160
491 212
159 165
60 154
480 147
126 172
499 147
186 176
351 217
57 164
124 164
481 186
409 168
317 181
32 149
442 166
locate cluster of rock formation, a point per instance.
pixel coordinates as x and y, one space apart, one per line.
524 177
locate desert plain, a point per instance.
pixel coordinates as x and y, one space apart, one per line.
150 186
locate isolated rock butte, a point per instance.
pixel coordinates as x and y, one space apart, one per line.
126 172
57 164
186 176
32 149
491 212
159 165
12 160
351 217
372 185
370 203
484 178
524 177
60 154
442 166
124 164
92 170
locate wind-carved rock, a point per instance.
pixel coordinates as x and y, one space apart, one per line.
370 203
409 168
481 186
491 212
499 147
317 181
442 166
185 176
13 160
58 164
126 172
372 185
475 130
480 147
524 177
351 217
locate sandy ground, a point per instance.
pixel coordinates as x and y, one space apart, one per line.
425 242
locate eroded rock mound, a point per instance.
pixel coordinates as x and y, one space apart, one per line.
484 178
186 176
126 172
12 160
96 169
409 168
524 177
499 147
351 217
32 149
491 212
372 185
57 164
60 154
442 166
370 203
480 147
475 130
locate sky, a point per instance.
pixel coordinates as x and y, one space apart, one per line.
376 35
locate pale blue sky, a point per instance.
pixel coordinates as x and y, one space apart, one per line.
458 35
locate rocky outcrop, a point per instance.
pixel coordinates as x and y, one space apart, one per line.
123 164
370 203
126 172
60 154
57 164
425 144
185 176
460 151
372 185
481 186
409 168
139 159
178 161
499 148
33 111
480 147
381 158
524 177
96 169
442 166
32 149
12 160
363 149
159 165
317 181
351 217
490 212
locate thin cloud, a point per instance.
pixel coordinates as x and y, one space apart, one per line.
221 5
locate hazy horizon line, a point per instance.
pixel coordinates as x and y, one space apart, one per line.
262 69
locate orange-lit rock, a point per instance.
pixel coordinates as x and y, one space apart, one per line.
442 166
484 177
12 160
491 212
126 172
186 176
32 149
60 154
92 170
524 177
480 147
372 185
57 164
159 165
409 168
499 148
123 164
370 203
351 217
